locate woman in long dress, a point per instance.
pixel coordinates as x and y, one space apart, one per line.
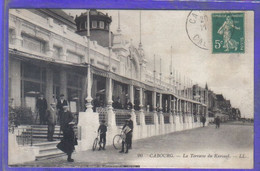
226 30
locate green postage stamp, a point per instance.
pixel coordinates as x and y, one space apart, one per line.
228 33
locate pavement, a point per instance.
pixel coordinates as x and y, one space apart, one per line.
230 146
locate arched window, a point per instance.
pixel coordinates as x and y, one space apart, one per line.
94 24
101 24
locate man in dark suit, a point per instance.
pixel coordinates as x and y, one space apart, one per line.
131 125
66 118
51 118
217 121
61 102
203 120
41 105
68 142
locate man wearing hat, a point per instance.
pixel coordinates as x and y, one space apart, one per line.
68 141
51 118
66 118
61 102
41 105
131 125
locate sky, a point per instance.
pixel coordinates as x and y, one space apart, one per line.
228 74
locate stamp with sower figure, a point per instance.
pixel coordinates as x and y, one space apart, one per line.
228 33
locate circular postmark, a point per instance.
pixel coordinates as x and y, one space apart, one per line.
197 29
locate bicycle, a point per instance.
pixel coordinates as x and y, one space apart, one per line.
117 140
96 140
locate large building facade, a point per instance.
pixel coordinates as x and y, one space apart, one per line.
48 53
100 73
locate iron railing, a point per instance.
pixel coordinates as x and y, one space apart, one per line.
121 116
102 114
166 118
149 119
24 136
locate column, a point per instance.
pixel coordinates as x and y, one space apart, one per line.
198 114
131 96
185 111
171 110
18 37
141 113
49 47
49 86
63 55
89 86
174 110
15 74
161 113
110 113
63 83
180 111
155 116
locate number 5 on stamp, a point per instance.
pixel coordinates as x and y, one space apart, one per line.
228 33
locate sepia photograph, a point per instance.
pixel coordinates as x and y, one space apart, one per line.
103 88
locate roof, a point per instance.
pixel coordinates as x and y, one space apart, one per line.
61 16
220 97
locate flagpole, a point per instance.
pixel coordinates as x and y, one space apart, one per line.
89 98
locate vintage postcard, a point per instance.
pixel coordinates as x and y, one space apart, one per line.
130 88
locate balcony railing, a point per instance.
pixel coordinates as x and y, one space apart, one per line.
166 118
102 111
149 119
121 116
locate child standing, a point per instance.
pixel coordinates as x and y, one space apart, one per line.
102 132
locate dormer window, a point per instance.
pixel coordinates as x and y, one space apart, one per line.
94 24
101 24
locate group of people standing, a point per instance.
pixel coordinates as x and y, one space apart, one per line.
58 113
127 135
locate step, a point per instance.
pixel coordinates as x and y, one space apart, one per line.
50 155
39 133
48 143
43 126
40 129
40 136
47 150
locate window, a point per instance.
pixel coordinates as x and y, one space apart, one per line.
11 33
101 24
56 52
94 24
73 57
33 81
74 90
33 44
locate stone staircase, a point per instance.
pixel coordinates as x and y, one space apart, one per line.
48 150
37 137
39 132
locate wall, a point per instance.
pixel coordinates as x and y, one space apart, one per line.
89 122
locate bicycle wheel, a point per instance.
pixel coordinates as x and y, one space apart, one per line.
95 144
117 141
